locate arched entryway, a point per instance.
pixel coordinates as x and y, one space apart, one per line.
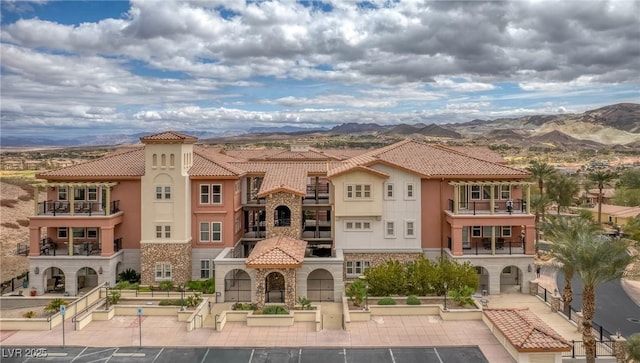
483 280
274 288
86 279
237 286
320 285
510 279
54 280
282 217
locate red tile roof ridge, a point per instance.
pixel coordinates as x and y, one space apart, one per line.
107 157
168 135
223 164
446 148
279 244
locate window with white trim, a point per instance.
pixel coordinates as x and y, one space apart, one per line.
204 194
163 271
410 191
390 229
92 194
505 192
216 231
206 269
79 232
92 233
63 232
356 268
211 194
163 192
216 194
475 192
506 231
204 232
466 241
358 191
79 194
476 231
163 231
357 225
388 191
62 193
410 229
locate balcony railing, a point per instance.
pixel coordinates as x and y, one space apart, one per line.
503 247
83 208
484 207
48 247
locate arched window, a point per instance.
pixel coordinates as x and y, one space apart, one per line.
155 159
172 160
282 216
163 160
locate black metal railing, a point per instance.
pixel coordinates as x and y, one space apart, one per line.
604 346
117 244
484 206
79 207
503 247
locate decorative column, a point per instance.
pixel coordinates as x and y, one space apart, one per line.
70 237
533 288
71 198
619 348
261 275
492 202
456 198
554 301
528 199
107 204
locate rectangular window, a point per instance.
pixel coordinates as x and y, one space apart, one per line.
505 192
486 192
204 194
92 194
410 192
78 232
506 231
79 194
167 192
486 231
158 193
475 192
216 194
358 191
62 233
466 243
388 191
349 267
163 271
390 229
476 231
357 225
204 232
92 233
158 231
357 268
167 231
205 269
216 231
348 225
62 193
410 229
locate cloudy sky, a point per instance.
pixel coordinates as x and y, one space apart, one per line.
70 68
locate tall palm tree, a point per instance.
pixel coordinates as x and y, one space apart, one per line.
597 260
564 234
539 204
602 178
562 189
540 172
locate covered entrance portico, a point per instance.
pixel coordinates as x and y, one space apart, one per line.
275 261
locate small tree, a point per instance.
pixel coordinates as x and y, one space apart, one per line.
304 303
54 305
166 285
357 292
633 348
114 297
387 279
129 275
462 295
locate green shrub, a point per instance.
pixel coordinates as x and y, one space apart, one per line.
244 306
413 300
386 301
356 292
204 286
274 310
193 300
54 305
166 285
171 302
463 295
114 297
387 279
129 275
126 285
29 314
304 303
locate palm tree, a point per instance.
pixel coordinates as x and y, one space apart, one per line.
562 189
602 178
597 260
540 171
564 233
633 347
539 204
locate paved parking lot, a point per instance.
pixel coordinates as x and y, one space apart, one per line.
250 355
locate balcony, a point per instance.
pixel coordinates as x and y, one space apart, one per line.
80 248
483 207
78 208
317 194
483 247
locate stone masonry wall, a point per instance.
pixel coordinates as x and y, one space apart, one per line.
376 259
177 254
294 203
290 286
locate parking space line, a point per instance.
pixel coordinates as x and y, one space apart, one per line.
205 355
251 356
344 352
157 355
79 354
393 359
438 355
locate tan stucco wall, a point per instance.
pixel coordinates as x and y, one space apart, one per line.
347 208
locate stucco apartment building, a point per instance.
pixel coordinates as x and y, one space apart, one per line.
271 225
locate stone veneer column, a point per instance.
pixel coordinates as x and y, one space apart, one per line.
619 348
294 203
289 286
177 254
554 301
261 274
533 288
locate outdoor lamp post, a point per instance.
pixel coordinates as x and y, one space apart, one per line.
181 297
445 296
366 292
106 287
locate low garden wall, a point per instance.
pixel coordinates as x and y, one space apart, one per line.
271 320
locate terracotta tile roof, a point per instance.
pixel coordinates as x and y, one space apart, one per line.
207 165
343 154
251 154
168 137
430 161
617 210
526 331
124 163
310 154
287 178
480 152
280 251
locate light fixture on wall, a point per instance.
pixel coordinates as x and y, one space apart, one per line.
100 270
529 267
37 270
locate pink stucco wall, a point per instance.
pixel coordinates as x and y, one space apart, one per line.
227 212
